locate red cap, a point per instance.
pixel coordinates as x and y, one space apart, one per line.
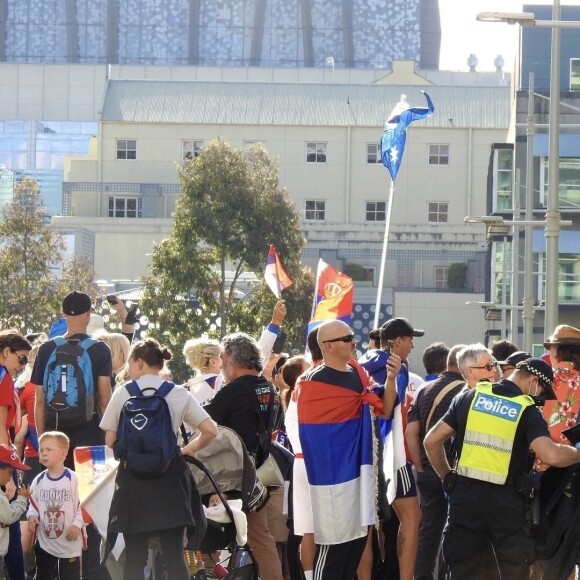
8 456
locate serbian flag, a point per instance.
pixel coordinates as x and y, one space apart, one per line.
274 275
395 134
333 296
336 435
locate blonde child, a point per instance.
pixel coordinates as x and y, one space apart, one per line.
10 512
54 514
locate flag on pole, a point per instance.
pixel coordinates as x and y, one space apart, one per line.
274 275
333 296
395 133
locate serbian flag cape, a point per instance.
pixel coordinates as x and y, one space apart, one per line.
333 296
339 448
395 134
274 275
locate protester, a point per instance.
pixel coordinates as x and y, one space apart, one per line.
435 360
203 356
246 404
301 545
10 512
397 337
14 350
494 426
165 505
54 516
342 475
76 308
508 365
430 405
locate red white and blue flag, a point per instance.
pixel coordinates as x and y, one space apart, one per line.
336 435
333 296
274 275
395 134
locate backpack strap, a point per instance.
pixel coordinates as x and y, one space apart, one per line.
87 343
59 340
447 389
133 388
164 389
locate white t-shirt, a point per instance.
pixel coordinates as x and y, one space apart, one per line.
55 502
182 405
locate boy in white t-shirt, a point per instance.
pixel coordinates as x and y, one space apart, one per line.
10 512
54 514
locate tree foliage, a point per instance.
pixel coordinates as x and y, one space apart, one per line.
230 210
31 289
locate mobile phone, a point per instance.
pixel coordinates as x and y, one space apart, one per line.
390 345
132 314
279 343
112 299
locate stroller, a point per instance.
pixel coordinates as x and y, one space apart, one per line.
225 467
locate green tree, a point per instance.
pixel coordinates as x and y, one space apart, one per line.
230 210
78 273
29 251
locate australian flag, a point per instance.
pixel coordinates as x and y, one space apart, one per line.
395 134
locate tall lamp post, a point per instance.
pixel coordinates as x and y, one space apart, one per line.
552 230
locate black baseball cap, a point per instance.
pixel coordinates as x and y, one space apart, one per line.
76 303
516 357
398 327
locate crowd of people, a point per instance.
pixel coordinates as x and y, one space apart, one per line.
393 476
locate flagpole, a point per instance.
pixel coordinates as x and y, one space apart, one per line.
384 255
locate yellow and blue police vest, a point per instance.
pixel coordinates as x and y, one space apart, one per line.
489 434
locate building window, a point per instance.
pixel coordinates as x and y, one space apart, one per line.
126 149
315 152
575 74
191 149
441 274
569 188
376 211
373 153
124 207
315 210
503 179
438 212
438 154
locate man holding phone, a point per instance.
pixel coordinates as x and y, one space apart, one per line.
397 337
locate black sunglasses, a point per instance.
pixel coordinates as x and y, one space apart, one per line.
347 338
487 367
22 358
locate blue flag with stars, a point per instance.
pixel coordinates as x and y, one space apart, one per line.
395 135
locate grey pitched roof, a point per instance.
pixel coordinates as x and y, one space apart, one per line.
248 103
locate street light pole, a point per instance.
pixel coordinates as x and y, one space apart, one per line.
553 212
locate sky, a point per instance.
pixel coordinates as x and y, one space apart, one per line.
462 35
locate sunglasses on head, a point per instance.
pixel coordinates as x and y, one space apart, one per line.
22 358
347 338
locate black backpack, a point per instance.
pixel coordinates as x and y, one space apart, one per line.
146 442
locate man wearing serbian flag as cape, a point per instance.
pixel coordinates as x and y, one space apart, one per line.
336 404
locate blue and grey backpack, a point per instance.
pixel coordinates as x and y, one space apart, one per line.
146 442
68 384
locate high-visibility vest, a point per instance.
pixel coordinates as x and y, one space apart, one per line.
489 434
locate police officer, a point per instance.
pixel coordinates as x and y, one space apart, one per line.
495 426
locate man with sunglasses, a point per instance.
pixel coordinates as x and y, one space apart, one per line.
494 426
334 403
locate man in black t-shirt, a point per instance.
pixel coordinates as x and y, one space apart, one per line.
236 405
495 426
76 308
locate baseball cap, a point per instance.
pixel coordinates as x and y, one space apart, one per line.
76 303
396 327
543 371
513 359
8 456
